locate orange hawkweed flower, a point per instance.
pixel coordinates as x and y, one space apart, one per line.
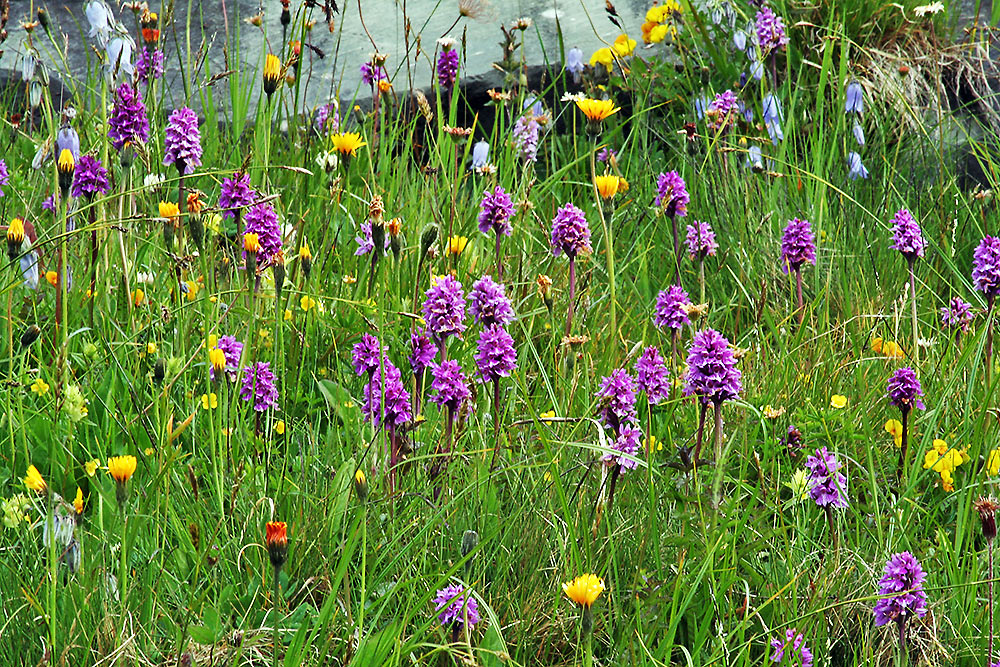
276 540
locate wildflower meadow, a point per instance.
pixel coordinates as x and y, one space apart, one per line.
674 346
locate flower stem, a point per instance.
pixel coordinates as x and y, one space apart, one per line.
587 630
798 295
609 247
903 446
274 615
989 340
718 431
677 250
913 312
499 269
572 294
701 433
701 279
989 599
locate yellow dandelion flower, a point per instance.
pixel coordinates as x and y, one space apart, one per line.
121 468
606 185
251 242
347 143
272 73
217 359
169 210
584 590
597 110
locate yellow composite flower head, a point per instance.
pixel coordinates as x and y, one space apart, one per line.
624 45
121 468
217 358
304 252
603 56
347 143
33 480
251 242
584 590
169 210
895 428
15 231
892 350
66 162
597 110
607 185
272 73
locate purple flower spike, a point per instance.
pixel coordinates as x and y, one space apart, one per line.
258 384
90 178
617 399
701 240
906 236
672 194
235 193
722 110
651 374
627 444
791 651
902 588
4 175
670 308
986 266
712 374
570 232
182 141
149 64
957 315
128 122
449 386
770 30
447 68
454 606
495 211
366 355
827 486
526 134
496 356
904 390
372 75
423 350
489 304
397 399
444 308
262 220
798 245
